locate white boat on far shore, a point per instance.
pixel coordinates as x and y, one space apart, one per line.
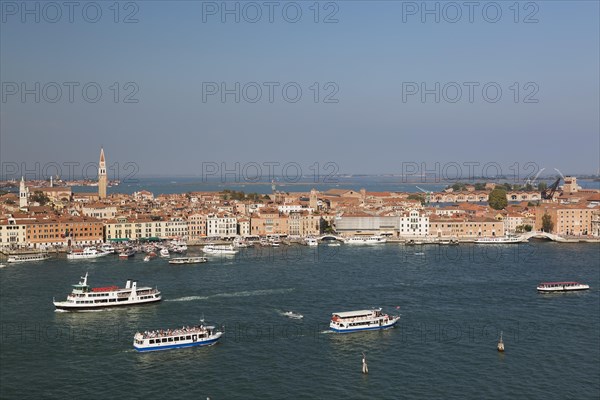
219 249
365 240
499 240
27 257
188 260
86 253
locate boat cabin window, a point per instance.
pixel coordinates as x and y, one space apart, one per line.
170 339
164 340
188 337
151 341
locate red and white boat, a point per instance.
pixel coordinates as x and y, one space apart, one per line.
85 298
549 287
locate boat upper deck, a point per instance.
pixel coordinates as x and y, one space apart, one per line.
358 313
184 330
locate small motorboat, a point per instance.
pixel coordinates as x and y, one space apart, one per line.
293 315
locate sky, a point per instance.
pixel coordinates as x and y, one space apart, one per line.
350 87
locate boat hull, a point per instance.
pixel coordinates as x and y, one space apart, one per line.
562 290
89 307
369 328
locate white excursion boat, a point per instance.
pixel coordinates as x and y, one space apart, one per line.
311 241
18 258
362 320
365 240
334 243
499 240
549 287
188 260
88 252
176 338
224 249
107 248
164 252
83 297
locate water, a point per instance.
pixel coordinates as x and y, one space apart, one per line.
454 302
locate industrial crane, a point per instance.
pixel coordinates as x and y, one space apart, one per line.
548 193
427 195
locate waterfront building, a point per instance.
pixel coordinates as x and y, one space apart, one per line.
304 224
465 228
64 231
568 219
413 224
244 226
268 222
223 225
196 226
13 232
176 228
123 228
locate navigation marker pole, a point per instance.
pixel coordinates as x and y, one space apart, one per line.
365 367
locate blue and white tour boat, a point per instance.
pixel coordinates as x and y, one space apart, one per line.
362 320
186 336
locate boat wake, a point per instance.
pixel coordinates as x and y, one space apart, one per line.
189 298
246 293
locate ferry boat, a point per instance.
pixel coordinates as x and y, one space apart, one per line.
365 240
18 258
224 249
362 320
311 241
176 338
83 297
498 240
188 260
127 253
549 287
107 248
88 252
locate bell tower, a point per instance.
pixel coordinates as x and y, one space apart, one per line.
102 181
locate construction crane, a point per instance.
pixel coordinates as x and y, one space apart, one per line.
427 195
548 193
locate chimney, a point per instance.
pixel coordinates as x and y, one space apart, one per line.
128 285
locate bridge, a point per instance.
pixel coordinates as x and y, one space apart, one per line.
542 235
330 237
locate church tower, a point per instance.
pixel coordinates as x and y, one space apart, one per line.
313 200
102 182
23 192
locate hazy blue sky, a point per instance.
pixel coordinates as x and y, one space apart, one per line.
369 57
